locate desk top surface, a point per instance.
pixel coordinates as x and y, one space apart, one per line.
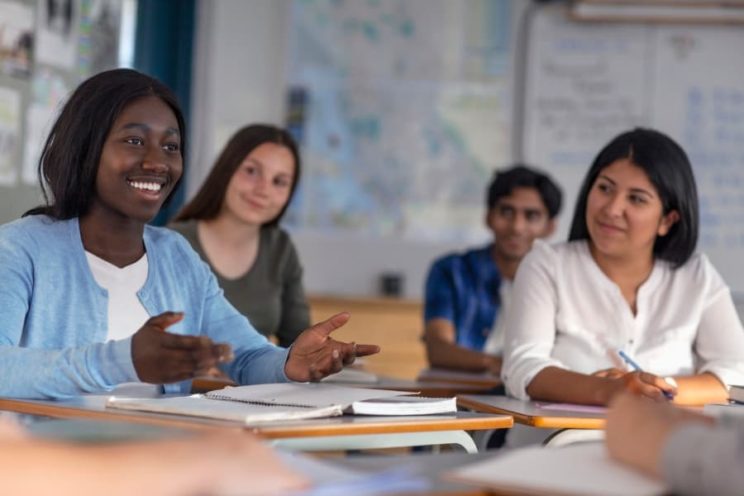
93 407
545 415
432 388
476 379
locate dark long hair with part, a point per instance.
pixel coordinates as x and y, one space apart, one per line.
208 202
669 170
69 160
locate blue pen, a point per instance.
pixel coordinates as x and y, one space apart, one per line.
638 368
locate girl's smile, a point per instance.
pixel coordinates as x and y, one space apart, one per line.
141 162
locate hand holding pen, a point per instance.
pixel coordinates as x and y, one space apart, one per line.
650 382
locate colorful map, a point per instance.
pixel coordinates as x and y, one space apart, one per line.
403 114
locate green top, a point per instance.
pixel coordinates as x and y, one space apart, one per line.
270 294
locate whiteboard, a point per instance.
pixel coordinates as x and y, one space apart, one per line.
587 82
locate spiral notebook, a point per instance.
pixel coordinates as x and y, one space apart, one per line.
272 402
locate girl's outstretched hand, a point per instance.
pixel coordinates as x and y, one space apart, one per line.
315 354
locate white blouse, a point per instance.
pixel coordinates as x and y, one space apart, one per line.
567 313
495 341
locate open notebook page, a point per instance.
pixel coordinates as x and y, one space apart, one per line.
267 402
301 394
199 406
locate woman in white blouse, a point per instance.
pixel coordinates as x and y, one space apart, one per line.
627 280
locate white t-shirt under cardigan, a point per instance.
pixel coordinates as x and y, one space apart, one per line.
126 314
567 313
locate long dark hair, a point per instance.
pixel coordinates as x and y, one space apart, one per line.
71 154
669 170
208 201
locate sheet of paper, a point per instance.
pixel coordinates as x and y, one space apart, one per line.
580 469
57 32
10 124
47 91
16 38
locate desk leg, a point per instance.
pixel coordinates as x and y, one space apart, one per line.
564 437
378 441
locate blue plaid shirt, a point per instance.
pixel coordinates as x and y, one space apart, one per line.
464 289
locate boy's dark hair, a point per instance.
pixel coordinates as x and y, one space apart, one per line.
208 201
69 160
669 170
520 176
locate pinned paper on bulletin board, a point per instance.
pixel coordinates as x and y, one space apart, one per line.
47 91
57 33
10 124
16 39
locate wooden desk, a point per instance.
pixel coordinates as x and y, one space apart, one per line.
531 413
328 433
477 379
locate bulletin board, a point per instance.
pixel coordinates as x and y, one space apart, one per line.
46 48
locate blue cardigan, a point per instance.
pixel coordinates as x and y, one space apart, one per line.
53 314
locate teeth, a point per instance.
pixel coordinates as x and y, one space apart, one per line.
145 186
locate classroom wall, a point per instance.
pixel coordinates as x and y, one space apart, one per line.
240 73
16 200
241 68
602 75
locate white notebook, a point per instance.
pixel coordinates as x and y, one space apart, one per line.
583 469
271 402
